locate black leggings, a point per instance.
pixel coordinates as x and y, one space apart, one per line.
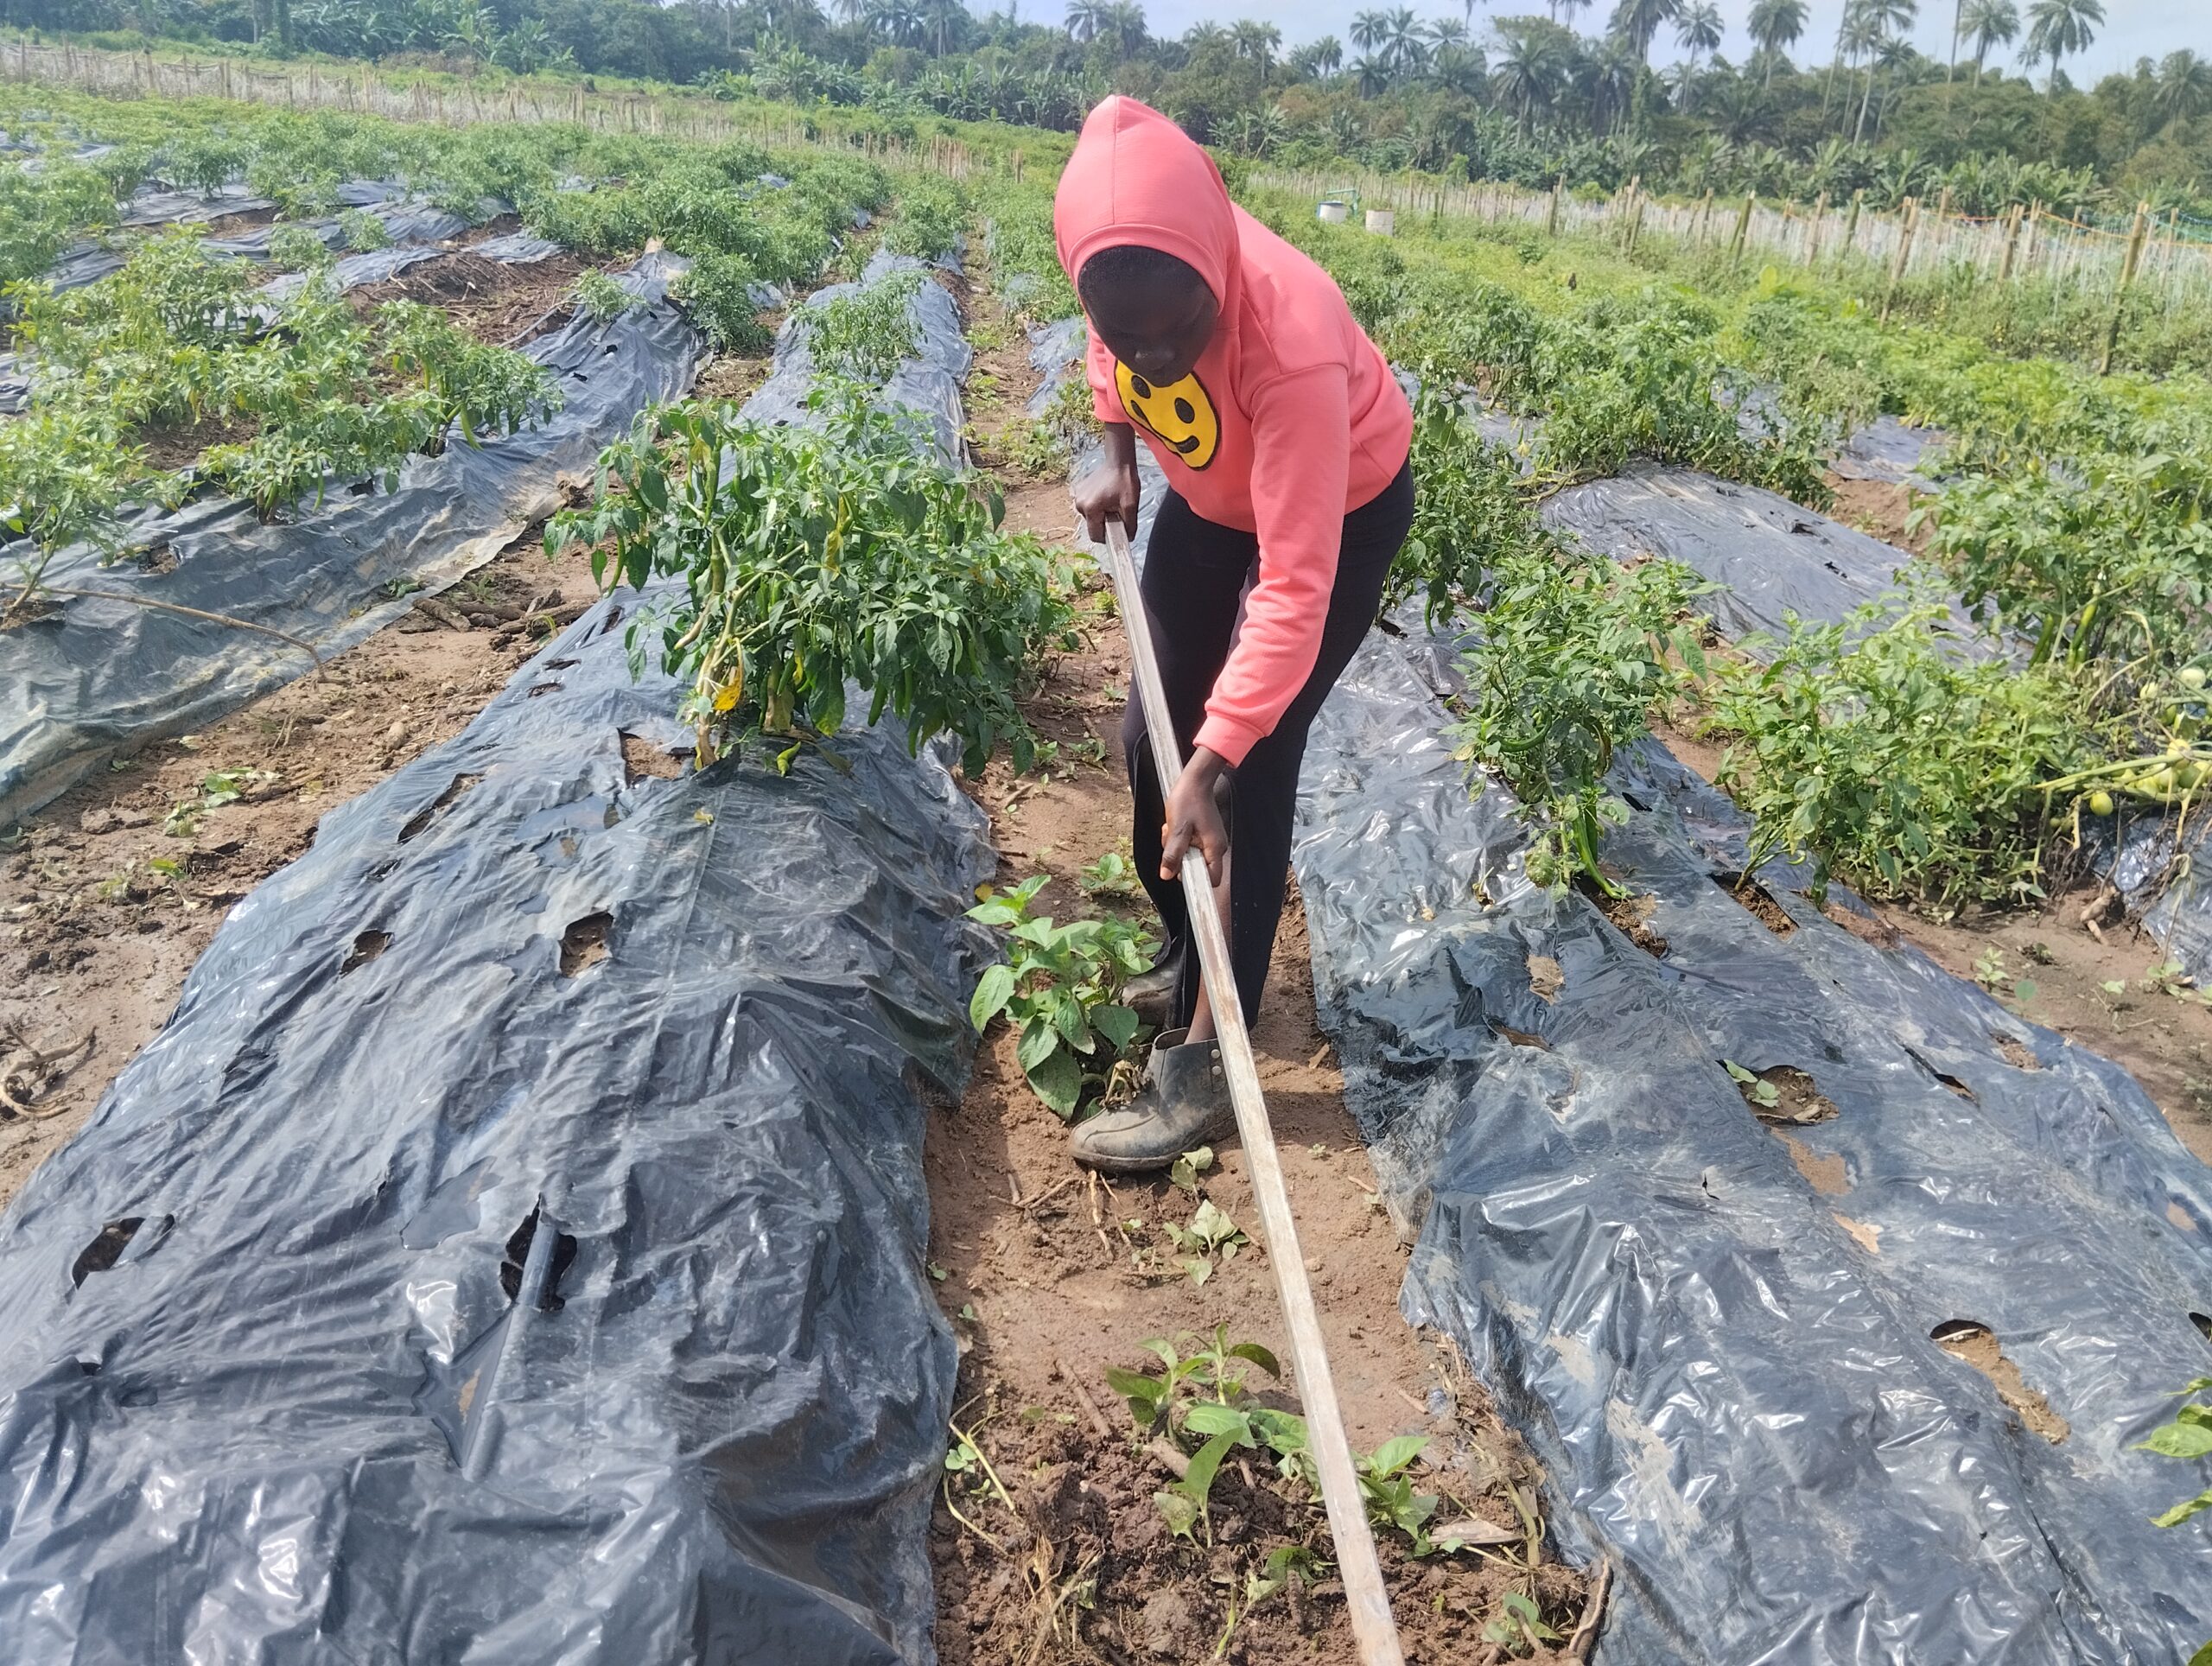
1195 574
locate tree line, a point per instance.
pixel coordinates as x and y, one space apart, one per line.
1532 98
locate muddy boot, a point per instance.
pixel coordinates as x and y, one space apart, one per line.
1150 994
1183 1104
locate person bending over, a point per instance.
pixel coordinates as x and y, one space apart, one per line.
1284 439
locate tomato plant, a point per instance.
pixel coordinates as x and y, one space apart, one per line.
1879 747
1574 652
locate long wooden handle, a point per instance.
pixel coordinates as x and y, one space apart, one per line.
1372 1625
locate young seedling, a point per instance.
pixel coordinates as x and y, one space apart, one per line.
1517 1626
1057 987
1389 1492
1185 1169
1112 875
1212 1238
1760 1092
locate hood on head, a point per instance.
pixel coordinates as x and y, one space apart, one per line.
1136 177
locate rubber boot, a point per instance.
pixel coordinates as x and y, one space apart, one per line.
1151 992
1183 1104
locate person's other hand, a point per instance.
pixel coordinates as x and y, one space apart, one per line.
1194 816
1111 491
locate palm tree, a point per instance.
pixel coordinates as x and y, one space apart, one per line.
1203 38
1085 18
2184 88
1637 22
1124 23
1458 67
1990 23
2060 28
1530 71
1257 41
1570 6
1370 74
1321 59
1869 26
1445 32
1401 42
1697 29
1369 30
1776 25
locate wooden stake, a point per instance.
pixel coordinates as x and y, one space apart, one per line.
1813 229
1743 225
1851 225
1904 254
1373 1629
2012 243
2129 262
1551 219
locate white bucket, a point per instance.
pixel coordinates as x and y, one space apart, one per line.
1381 221
1334 214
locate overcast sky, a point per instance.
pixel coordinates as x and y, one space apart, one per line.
2133 28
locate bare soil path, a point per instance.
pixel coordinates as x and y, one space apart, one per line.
1050 1278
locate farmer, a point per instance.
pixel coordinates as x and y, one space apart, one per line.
1284 439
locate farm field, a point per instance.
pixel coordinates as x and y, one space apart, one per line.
695 691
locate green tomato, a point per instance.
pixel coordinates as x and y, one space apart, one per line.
2100 803
2192 678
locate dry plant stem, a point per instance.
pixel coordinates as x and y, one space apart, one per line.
1594 1611
301 643
38 1060
1098 1423
1366 1597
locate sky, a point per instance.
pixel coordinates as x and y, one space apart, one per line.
2133 28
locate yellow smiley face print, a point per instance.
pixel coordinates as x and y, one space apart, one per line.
1181 416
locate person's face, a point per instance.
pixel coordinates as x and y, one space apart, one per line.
1157 326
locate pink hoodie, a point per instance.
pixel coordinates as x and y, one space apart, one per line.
1307 422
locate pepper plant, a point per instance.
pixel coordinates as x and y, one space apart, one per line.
842 552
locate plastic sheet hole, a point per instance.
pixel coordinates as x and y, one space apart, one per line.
544 688
584 944
367 948
614 618
105 1249
437 806
1520 1037
2204 1323
1630 916
2015 1052
1758 902
1783 1096
1974 1343
556 664
564 1256
642 760
156 561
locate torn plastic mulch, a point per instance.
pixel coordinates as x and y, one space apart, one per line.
98 676
927 383
513 1247
1723 1337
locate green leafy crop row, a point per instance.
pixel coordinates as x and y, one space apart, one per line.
294 393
